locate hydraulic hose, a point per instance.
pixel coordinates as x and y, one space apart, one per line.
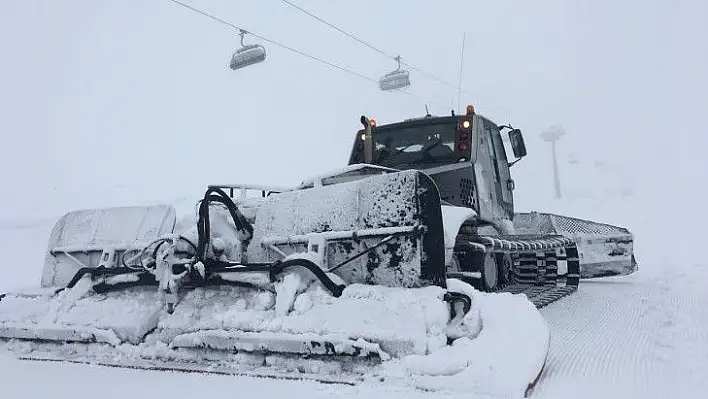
275 269
203 223
334 288
454 297
96 271
213 194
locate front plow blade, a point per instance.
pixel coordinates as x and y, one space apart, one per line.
84 238
354 216
369 335
604 250
236 330
75 316
200 366
88 239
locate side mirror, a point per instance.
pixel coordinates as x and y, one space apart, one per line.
517 143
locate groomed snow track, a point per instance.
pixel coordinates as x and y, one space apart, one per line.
640 336
536 259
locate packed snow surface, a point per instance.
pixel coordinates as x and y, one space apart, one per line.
642 336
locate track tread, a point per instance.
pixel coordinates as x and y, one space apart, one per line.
535 264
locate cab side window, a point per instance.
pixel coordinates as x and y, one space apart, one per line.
501 167
491 148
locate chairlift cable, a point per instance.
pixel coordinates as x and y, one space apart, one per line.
370 45
430 75
367 44
300 52
411 66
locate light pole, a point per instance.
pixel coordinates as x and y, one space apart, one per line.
552 135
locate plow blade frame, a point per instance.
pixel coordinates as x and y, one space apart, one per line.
388 230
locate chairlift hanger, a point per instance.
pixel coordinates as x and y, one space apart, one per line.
247 54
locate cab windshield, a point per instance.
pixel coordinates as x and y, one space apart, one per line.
424 144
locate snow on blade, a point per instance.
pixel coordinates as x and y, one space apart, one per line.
79 237
116 317
401 321
503 351
499 349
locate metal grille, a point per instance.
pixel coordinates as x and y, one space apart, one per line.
548 223
564 224
469 197
533 223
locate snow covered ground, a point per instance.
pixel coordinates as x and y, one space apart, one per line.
83 381
642 336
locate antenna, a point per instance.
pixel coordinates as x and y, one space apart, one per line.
427 113
462 59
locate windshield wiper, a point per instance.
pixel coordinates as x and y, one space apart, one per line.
424 151
395 154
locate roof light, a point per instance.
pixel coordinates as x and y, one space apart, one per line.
470 109
373 122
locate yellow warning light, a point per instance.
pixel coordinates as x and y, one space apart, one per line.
373 122
470 110
466 124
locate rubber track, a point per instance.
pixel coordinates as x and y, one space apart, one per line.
535 271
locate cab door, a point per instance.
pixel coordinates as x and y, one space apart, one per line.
505 183
489 192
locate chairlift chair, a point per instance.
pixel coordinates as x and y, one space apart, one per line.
247 54
395 80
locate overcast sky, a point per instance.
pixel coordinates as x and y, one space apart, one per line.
118 102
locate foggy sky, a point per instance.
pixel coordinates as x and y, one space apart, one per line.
118 102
